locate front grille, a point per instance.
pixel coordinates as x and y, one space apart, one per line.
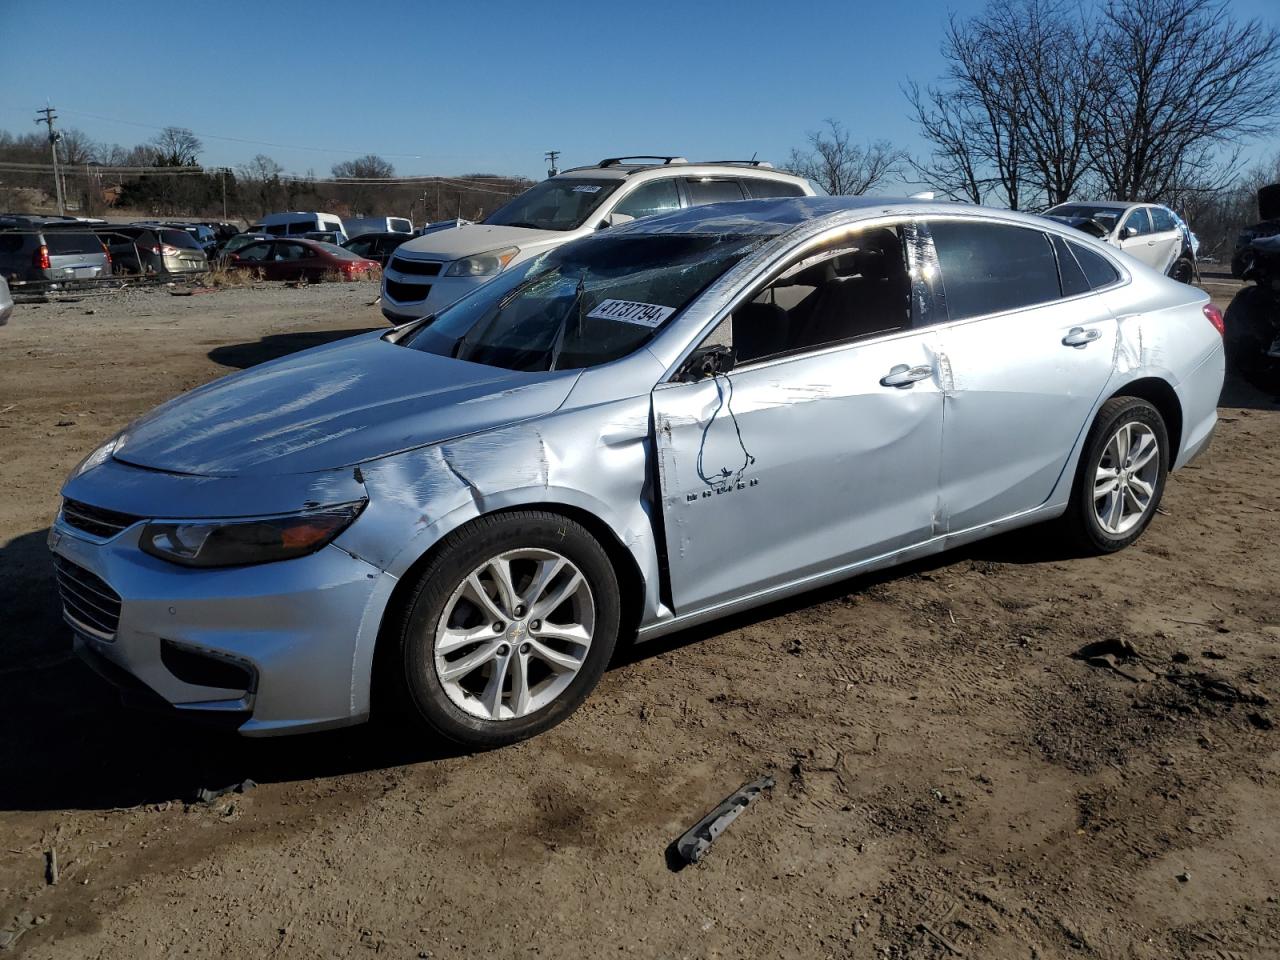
87 602
407 292
95 520
419 268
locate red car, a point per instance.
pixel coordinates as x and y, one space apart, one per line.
299 259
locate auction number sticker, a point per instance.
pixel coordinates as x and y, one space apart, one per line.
586 188
632 311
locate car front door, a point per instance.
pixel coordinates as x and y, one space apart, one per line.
1137 237
1024 365
820 448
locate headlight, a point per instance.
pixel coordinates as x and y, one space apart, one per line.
99 456
234 543
482 264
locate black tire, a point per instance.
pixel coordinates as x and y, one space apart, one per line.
422 695
1183 270
1080 522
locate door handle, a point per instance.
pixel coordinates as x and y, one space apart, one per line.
1079 336
903 376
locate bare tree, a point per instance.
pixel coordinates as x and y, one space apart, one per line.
176 147
955 167
364 196
261 178
842 167
1181 82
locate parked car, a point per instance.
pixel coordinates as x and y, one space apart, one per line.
50 250
1154 234
376 246
442 266
1268 225
6 302
204 236
300 222
299 259
359 226
237 242
152 249
643 430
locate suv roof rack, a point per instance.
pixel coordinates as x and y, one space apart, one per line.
617 161
753 162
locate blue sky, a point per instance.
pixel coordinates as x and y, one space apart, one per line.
465 87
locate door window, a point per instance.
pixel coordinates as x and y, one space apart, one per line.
1162 220
857 287
361 247
993 267
291 251
712 191
255 252
1139 221
762 189
654 197
1070 275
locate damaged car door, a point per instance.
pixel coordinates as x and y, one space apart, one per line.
804 433
1028 350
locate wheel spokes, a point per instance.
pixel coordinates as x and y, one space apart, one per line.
551 602
460 668
491 698
1143 453
557 661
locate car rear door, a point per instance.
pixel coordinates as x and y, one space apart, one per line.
817 451
1028 350
1166 237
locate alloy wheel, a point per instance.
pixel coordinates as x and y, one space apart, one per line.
514 634
1125 480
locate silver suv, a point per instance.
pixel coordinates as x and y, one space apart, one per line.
431 272
50 249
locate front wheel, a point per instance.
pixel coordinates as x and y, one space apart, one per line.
1121 476
510 627
1183 270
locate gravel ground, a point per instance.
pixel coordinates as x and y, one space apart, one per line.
951 782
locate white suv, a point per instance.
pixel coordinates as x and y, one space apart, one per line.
427 274
1152 233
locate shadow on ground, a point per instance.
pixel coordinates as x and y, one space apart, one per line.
241 355
72 745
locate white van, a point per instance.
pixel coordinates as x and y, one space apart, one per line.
298 222
361 225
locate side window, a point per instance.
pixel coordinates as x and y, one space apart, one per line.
856 287
763 189
361 247
255 252
712 191
291 251
1138 221
992 267
1162 220
1071 277
656 196
10 243
1097 268
277 229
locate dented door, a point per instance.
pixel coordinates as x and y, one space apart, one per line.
790 468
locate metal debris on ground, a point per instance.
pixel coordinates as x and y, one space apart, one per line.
205 795
51 866
694 843
1116 654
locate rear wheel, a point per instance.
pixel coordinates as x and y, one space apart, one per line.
510 627
1121 476
1183 270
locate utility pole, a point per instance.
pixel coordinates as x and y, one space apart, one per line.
54 137
223 173
552 156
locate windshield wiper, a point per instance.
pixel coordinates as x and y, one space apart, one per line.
558 343
526 223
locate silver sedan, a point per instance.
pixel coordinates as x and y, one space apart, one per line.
645 429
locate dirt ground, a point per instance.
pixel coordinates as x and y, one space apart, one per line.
951 782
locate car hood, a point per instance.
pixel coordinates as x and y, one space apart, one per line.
333 406
472 238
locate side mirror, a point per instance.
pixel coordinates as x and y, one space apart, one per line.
1127 232
709 361
615 220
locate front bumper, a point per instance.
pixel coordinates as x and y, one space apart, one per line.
287 631
441 292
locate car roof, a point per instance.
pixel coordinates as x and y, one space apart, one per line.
616 169
777 216
1106 204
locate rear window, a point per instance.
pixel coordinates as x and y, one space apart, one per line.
1096 267
62 244
337 252
178 238
401 225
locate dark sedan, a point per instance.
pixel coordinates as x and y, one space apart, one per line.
376 246
300 259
